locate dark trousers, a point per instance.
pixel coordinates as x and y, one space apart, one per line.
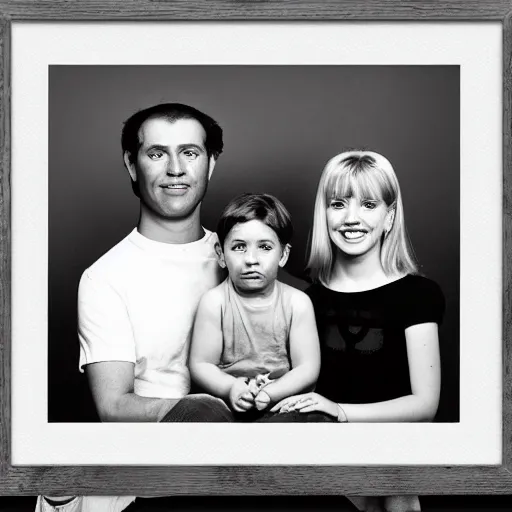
207 408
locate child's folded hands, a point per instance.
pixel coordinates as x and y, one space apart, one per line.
247 393
261 398
241 398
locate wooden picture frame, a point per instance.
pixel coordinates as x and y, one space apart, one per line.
247 480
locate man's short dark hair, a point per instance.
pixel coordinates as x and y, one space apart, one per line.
171 112
263 207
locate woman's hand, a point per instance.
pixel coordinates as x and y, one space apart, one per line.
240 397
308 402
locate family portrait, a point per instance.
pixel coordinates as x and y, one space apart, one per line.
253 244
245 256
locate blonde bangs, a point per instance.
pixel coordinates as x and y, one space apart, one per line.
368 183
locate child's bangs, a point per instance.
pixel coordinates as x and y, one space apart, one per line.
362 183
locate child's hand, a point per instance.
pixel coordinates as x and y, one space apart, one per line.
262 400
253 387
262 380
258 382
240 397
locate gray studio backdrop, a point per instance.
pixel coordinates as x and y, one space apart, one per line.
281 125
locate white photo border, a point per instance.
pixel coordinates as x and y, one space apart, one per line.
477 48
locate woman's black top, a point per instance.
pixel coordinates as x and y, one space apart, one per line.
362 337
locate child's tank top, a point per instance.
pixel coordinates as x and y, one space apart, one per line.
255 337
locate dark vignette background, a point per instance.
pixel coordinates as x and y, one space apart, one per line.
281 125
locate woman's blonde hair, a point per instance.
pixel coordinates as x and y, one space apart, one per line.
362 174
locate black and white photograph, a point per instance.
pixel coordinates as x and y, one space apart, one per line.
386 136
254 244
255 258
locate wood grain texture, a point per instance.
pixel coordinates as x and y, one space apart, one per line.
243 480
507 242
256 480
5 247
254 10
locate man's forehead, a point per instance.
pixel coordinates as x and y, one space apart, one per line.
164 131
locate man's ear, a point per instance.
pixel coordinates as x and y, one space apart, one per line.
211 166
130 167
220 255
284 256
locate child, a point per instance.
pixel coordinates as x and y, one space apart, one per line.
255 340
377 319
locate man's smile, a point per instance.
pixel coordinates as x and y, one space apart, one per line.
174 185
175 188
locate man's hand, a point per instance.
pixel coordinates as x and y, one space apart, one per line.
240 397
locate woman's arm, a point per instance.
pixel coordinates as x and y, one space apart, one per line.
304 352
425 374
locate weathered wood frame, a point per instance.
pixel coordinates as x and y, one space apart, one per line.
249 480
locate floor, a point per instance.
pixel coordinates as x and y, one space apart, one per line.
275 504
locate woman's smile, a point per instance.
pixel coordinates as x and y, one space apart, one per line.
353 235
356 224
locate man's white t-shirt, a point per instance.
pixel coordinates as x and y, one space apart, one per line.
137 303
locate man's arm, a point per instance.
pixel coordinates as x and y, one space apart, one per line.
112 386
107 355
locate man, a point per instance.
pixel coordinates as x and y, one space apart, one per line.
136 304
